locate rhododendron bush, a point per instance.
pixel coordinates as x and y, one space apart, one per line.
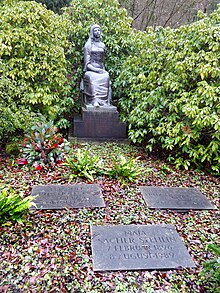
172 93
33 65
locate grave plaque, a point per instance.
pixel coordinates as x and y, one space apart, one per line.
178 198
71 196
138 247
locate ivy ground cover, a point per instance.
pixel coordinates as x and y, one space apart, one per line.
51 251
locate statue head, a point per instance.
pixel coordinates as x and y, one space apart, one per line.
95 32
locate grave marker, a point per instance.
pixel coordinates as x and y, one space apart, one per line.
178 198
71 196
138 247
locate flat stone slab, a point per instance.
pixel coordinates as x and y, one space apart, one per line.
71 196
178 198
138 247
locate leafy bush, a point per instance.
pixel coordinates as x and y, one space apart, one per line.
55 5
117 36
43 146
84 165
13 116
33 66
171 92
12 206
123 168
211 270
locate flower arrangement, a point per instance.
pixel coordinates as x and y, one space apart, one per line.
43 146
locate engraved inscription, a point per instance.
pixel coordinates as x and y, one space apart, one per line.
127 256
139 244
75 196
175 198
138 247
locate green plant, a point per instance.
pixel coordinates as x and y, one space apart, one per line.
14 116
211 270
33 65
116 34
171 92
12 206
55 5
123 168
84 165
43 146
12 148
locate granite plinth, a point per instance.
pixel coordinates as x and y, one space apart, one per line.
70 196
176 198
99 123
106 108
138 247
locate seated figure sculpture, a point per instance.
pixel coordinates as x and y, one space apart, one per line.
96 85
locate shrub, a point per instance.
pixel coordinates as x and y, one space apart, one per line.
33 71
84 165
13 116
12 206
171 92
43 146
55 6
117 36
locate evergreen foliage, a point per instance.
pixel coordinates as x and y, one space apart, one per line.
172 92
33 72
116 34
55 5
168 80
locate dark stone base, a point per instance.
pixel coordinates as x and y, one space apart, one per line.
98 124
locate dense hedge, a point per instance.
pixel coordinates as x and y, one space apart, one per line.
55 5
172 92
33 72
168 81
116 34
42 69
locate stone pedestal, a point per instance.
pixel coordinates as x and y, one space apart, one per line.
99 124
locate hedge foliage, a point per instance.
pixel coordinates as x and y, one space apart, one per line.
33 72
172 92
168 81
116 34
55 5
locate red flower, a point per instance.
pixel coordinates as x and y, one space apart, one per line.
59 162
55 145
61 140
22 161
39 167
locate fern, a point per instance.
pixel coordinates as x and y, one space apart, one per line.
84 165
12 206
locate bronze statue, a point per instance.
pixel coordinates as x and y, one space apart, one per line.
96 85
